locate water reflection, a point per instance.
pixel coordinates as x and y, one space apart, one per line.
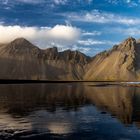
35 110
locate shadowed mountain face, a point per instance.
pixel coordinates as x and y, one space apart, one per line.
22 60
121 63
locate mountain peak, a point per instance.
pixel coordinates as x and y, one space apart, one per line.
21 42
130 39
20 39
128 44
21 46
53 49
121 63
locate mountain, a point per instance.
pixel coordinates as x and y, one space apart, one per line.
121 63
20 59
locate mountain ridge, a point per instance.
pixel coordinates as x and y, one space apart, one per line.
22 60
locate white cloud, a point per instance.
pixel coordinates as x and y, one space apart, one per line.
81 48
90 42
93 33
103 17
89 1
29 1
130 3
1 22
13 2
60 35
78 47
4 1
62 2
132 31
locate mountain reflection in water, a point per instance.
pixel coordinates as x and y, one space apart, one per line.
69 111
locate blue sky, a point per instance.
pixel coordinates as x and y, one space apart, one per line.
90 26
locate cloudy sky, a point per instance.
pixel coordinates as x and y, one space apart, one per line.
90 26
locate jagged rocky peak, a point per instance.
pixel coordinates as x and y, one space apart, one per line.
22 42
129 41
71 54
75 56
138 40
51 50
22 46
128 45
51 53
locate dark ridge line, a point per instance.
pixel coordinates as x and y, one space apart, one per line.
15 81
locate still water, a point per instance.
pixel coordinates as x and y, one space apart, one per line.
72 111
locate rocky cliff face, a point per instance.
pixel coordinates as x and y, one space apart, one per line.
121 63
22 60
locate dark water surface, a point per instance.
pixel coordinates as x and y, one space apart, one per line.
76 111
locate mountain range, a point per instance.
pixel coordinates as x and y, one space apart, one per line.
21 60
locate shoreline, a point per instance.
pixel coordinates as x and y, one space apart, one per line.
95 83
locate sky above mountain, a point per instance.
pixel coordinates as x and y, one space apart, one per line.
90 26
